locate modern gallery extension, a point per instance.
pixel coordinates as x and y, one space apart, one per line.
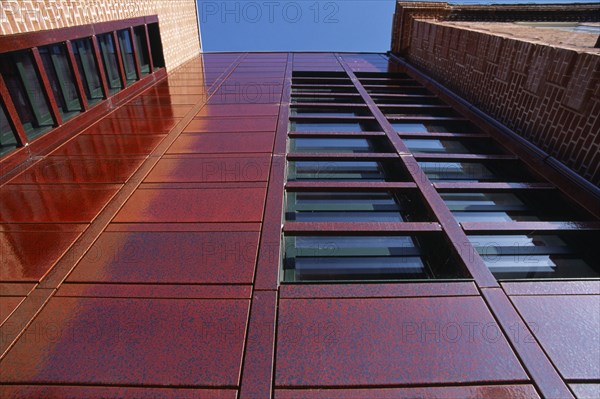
417 224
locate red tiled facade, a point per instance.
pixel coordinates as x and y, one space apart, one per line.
148 255
157 273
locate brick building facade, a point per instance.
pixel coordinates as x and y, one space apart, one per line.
178 19
538 81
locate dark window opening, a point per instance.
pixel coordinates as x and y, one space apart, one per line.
60 75
344 171
451 146
329 125
337 145
128 55
512 207
8 139
158 58
26 92
111 64
142 49
88 70
540 256
378 206
473 172
367 258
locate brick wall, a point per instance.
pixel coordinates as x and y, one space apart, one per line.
178 21
547 94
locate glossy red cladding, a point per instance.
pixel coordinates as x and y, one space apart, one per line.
170 258
216 143
213 169
388 342
566 327
99 341
30 250
194 206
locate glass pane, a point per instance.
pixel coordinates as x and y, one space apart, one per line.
8 141
507 207
431 127
538 256
26 93
452 146
359 268
344 207
353 145
436 146
457 171
127 54
88 70
328 99
321 89
408 100
61 79
111 65
142 49
362 258
338 170
324 112
325 127
353 258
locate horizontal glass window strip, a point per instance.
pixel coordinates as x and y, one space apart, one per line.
331 170
345 216
457 171
367 206
26 92
365 258
61 80
319 74
537 256
341 145
432 127
539 267
416 112
399 90
436 146
321 82
329 111
328 99
343 207
508 207
338 170
88 70
8 140
329 127
406 100
452 146
358 268
391 84
321 89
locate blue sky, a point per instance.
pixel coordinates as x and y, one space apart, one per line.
303 25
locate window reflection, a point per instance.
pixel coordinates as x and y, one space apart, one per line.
529 256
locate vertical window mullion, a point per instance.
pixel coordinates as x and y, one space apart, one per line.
13 116
77 76
48 93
